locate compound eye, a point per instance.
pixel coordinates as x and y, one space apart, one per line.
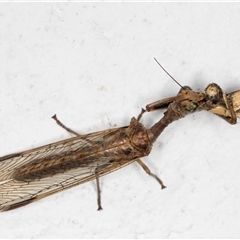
192 107
186 88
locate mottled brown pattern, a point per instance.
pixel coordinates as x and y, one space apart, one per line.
34 174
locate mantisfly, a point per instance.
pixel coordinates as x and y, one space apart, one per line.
37 173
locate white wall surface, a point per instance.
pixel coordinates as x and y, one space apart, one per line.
92 64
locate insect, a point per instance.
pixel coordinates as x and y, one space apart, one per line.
34 174
37 173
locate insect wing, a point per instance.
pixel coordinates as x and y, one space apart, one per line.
11 163
24 184
16 193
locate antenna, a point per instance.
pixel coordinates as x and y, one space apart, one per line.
168 73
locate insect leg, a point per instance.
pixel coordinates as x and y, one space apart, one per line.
233 119
219 104
98 191
63 126
147 170
140 115
160 104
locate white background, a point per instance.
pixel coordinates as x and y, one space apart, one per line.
92 64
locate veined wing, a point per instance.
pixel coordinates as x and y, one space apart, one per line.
17 193
58 169
85 143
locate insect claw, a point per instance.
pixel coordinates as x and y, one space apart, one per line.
54 116
100 208
163 186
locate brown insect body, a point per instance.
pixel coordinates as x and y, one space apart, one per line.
37 173
65 164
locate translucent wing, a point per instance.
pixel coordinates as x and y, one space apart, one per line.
89 142
16 193
37 173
